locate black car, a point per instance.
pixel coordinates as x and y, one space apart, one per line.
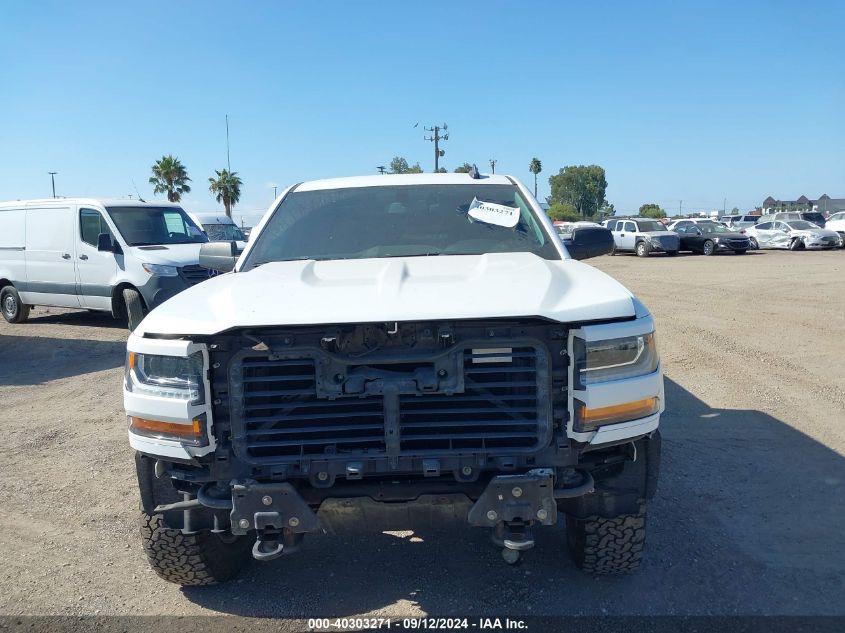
708 238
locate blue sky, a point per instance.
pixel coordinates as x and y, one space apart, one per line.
677 100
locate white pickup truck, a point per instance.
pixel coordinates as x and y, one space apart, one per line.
401 345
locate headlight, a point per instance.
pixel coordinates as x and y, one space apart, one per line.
176 377
161 270
614 359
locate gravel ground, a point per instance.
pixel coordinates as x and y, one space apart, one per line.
748 518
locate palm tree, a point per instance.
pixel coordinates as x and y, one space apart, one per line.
535 167
226 188
170 177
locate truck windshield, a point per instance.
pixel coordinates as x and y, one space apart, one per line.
647 226
401 221
146 226
223 232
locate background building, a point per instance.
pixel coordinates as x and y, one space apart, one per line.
824 204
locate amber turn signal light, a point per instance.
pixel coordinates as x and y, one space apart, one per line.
587 418
167 430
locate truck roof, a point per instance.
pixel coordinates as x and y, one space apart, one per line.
386 180
106 202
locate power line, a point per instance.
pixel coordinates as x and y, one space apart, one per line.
436 137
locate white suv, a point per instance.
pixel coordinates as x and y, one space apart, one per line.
836 222
395 345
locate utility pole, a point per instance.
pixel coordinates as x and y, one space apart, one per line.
680 207
53 180
274 191
724 205
493 162
381 169
436 137
228 162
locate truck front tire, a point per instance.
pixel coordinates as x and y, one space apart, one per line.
191 560
604 546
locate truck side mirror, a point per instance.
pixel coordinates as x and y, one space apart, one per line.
589 241
220 256
105 243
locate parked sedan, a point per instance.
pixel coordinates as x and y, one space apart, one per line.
794 235
709 238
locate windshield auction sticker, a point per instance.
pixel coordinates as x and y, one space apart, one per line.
492 213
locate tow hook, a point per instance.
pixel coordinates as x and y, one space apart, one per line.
269 546
279 516
265 550
514 538
511 504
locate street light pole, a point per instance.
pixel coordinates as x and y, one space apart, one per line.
53 181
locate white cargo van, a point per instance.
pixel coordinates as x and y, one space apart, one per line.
119 256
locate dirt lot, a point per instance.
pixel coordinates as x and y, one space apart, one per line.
749 517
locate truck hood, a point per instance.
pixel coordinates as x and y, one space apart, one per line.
393 289
168 254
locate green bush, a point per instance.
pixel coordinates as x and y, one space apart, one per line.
564 212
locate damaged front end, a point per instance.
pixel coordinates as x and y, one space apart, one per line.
319 424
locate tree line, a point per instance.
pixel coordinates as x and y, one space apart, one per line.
577 191
170 177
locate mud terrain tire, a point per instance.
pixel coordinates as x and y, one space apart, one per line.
199 559
603 546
